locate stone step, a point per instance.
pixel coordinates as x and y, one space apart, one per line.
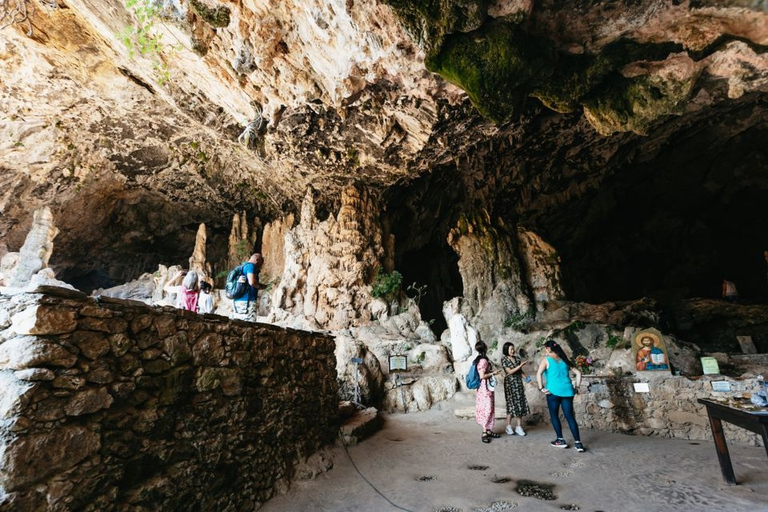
360 425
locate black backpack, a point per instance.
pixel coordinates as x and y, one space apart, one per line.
234 289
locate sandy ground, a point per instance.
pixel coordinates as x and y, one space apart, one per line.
434 461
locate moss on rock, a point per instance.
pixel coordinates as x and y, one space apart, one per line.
634 104
217 18
497 66
429 21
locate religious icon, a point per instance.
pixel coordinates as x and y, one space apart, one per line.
650 352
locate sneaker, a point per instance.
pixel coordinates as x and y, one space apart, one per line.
509 430
519 431
579 447
559 443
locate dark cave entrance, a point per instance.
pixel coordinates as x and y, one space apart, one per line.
421 215
685 211
435 266
672 227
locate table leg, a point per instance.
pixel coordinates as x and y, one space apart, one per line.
722 450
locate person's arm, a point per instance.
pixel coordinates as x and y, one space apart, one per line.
540 374
174 282
485 375
577 372
519 368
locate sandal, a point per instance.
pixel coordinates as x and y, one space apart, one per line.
486 438
492 434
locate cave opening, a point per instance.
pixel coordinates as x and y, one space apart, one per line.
436 266
673 226
419 216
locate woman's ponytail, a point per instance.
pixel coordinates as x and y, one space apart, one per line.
558 350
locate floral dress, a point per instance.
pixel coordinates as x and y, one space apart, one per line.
514 390
485 413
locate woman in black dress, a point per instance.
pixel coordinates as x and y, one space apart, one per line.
514 389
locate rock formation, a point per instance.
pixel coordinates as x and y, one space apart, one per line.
529 169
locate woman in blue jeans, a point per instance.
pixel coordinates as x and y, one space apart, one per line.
555 368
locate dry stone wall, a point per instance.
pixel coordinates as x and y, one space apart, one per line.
114 405
669 409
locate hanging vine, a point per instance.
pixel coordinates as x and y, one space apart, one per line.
17 12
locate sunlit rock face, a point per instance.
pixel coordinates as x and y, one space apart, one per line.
624 137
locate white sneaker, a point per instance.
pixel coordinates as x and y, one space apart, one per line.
519 431
509 430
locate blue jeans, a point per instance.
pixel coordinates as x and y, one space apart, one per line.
554 403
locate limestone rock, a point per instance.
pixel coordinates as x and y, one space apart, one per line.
44 320
24 352
37 249
36 457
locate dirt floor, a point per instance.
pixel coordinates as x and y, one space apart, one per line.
434 461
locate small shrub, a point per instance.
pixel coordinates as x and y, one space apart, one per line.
386 284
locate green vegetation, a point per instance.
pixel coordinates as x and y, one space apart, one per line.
217 18
496 65
614 341
415 293
428 21
500 66
242 250
519 321
143 36
386 284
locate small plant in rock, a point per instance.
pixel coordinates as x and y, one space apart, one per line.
415 292
386 284
143 37
614 341
519 321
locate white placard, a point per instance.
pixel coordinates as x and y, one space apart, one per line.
641 387
721 385
398 362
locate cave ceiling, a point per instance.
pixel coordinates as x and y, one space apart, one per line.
630 135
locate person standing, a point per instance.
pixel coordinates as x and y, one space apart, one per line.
205 300
187 292
730 293
514 389
555 368
244 307
485 407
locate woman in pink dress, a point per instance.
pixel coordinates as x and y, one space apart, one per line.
485 412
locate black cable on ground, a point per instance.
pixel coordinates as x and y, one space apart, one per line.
344 444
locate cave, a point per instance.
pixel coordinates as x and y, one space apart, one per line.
679 215
585 172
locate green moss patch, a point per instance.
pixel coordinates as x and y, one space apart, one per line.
497 66
633 104
429 21
217 18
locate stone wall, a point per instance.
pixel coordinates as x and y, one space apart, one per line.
669 409
114 405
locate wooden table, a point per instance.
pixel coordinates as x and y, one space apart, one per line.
755 421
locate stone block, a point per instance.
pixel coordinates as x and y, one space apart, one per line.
120 344
88 401
29 352
92 344
681 418
32 458
109 325
39 319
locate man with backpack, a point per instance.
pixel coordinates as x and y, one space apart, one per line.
244 306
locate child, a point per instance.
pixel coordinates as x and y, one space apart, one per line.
205 302
514 390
